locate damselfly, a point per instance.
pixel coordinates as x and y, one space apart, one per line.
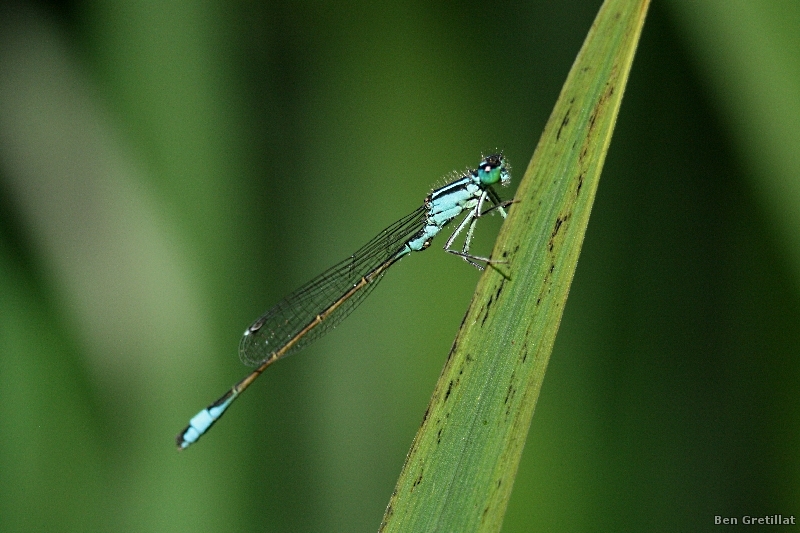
319 305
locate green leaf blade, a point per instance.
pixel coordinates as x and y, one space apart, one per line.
460 470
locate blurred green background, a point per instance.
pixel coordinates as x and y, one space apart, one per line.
169 170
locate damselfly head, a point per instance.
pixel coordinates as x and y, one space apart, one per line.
494 168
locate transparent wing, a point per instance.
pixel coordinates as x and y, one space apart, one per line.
300 309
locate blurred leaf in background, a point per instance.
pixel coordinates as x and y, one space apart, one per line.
169 170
